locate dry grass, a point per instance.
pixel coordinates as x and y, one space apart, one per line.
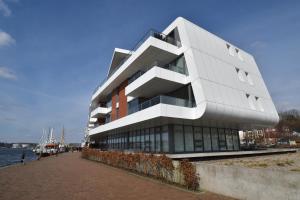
295 170
283 163
289 162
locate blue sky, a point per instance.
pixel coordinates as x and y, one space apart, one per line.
54 52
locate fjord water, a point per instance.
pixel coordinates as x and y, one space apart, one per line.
12 156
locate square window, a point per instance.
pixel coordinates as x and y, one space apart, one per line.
249 79
238 52
230 50
240 74
250 101
259 104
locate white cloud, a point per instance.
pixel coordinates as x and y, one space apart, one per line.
7 74
6 39
4 9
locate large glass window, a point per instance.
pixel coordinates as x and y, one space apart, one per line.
165 139
214 139
188 138
147 140
134 140
178 138
115 141
142 140
178 65
131 140
198 142
222 139
138 139
206 139
157 139
133 106
235 135
152 140
229 139
122 140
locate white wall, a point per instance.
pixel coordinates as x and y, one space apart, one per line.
215 80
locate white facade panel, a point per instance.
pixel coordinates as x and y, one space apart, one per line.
227 86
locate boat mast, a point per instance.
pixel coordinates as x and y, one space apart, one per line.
62 139
51 139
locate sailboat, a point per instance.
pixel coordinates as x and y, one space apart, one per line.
47 145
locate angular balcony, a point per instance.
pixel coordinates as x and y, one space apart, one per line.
151 33
100 112
153 46
159 106
157 80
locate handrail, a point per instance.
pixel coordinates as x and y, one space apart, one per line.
173 68
162 99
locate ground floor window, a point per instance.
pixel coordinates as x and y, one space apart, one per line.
188 138
165 139
157 139
178 139
198 139
173 139
214 139
206 139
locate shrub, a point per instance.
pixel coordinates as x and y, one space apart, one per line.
160 167
190 175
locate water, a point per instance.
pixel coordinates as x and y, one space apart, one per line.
13 156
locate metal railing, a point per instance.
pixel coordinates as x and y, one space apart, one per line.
135 76
162 99
174 68
151 33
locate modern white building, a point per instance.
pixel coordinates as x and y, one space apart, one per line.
182 90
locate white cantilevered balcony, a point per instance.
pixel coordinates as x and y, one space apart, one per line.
159 106
100 112
148 50
157 80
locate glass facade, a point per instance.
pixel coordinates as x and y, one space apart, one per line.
188 138
178 139
206 139
173 139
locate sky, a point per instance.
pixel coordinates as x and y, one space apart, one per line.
53 53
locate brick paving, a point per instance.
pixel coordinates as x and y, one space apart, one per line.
67 176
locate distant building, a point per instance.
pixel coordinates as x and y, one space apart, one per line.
25 145
16 145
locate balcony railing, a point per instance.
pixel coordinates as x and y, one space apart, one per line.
135 76
151 33
162 99
154 101
174 68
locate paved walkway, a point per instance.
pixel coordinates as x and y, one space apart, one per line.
70 177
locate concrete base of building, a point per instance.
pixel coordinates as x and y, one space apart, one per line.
249 183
